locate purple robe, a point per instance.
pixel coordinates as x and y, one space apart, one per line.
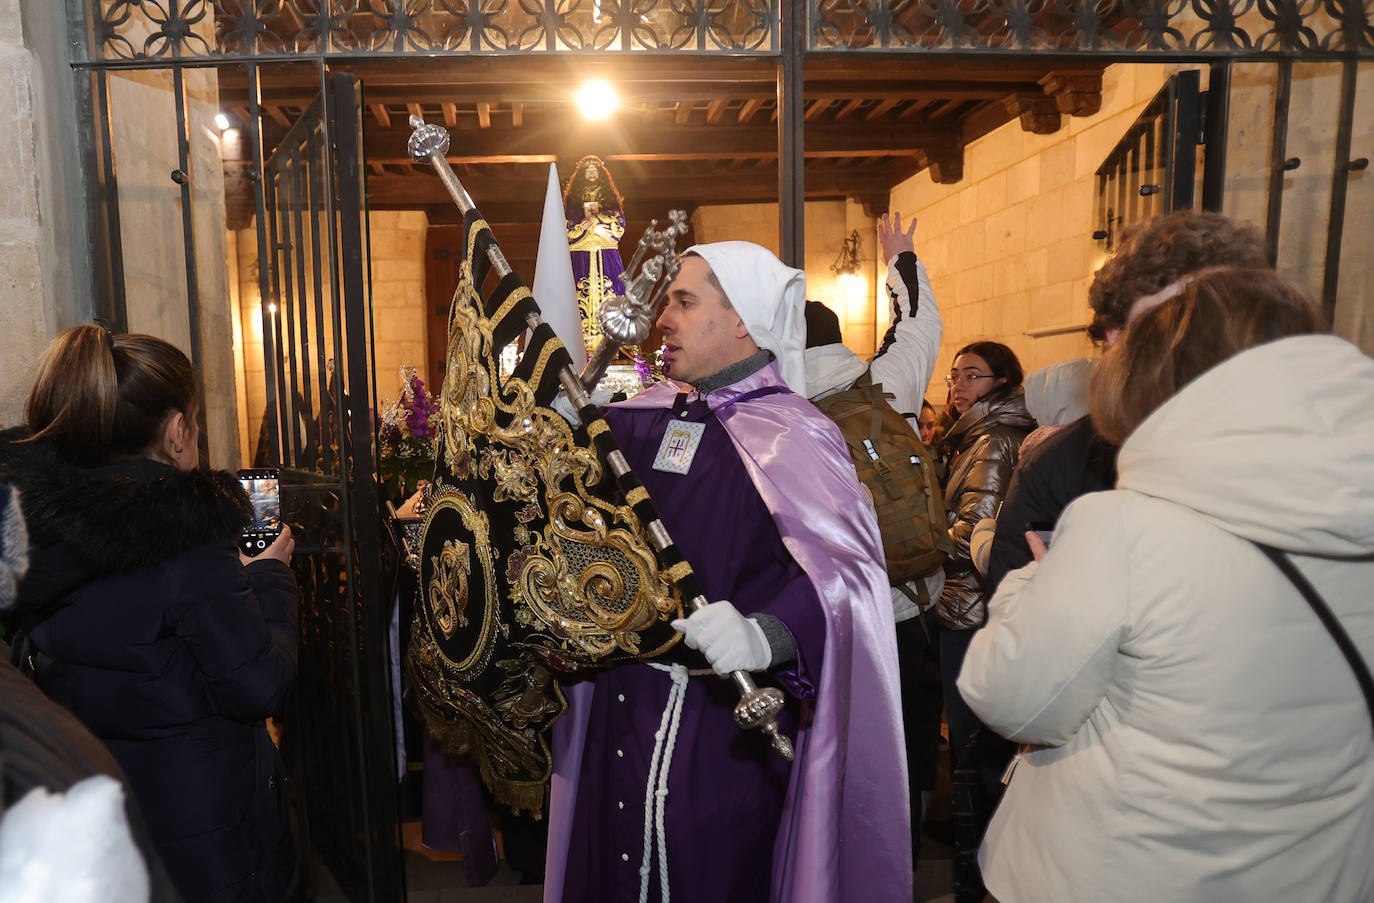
598 272
453 814
841 828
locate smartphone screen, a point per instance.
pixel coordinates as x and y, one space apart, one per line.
263 486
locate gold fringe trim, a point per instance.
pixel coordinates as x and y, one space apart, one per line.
636 495
458 738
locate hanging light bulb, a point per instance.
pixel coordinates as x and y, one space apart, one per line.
596 99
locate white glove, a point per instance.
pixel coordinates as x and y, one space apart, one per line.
564 406
729 640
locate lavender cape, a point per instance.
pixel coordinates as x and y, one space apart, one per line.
845 831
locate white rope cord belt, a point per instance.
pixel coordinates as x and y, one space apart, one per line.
656 790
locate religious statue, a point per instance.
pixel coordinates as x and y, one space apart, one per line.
595 217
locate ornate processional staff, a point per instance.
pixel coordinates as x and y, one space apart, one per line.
625 320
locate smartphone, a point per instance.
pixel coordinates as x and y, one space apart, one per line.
263 485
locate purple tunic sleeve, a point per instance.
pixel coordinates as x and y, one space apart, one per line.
799 609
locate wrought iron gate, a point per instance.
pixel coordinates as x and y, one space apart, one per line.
1153 168
317 343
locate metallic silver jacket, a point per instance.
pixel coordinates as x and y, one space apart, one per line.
982 449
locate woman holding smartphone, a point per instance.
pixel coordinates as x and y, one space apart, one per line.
140 615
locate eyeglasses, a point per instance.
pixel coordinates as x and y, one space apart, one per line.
955 379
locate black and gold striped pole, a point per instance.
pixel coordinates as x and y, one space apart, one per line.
625 320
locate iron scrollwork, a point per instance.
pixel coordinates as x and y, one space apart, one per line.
1250 29
231 29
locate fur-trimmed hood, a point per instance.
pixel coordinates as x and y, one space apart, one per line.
85 524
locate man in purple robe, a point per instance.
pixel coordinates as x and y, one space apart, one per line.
656 793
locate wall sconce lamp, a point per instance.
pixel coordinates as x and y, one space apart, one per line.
846 265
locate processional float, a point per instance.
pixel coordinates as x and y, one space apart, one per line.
540 556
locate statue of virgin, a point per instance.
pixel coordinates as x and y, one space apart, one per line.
595 218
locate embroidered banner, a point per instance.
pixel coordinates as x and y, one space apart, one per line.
534 561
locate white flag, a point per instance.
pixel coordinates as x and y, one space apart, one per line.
554 289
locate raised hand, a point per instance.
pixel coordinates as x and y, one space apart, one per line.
891 237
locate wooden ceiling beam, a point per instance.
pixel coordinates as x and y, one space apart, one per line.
483 115
628 73
694 142
423 89
882 109
644 197
517 114
715 110
982 119
1075 92
682 112
945 108
750 107
913 108
1039 114
850 107
381 114
278 115
450 114
816 108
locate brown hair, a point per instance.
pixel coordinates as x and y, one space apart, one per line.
1219 314
1159 252
99 398
1001 360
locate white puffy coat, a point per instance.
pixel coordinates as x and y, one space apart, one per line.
1206 739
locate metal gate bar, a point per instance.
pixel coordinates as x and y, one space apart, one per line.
1278 162
1340 179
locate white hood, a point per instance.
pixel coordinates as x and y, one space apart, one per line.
1058 394
831 369
1275 445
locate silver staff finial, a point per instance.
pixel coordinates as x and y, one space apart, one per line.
627 318
426 139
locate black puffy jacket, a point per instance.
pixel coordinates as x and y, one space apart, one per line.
141 620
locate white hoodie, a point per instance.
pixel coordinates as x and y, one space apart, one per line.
1206 740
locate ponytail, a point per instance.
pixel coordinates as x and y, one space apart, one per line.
99 398
73 400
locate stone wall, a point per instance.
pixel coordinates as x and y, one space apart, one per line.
41 279
1312 124
1009 248
398 297
157 295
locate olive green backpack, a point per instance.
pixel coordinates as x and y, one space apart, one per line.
899 472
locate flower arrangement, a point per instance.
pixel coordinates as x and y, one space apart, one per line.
405 439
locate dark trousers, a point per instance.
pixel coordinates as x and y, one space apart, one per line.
978 757
921 704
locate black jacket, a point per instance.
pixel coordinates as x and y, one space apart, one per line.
1072 462
142 622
